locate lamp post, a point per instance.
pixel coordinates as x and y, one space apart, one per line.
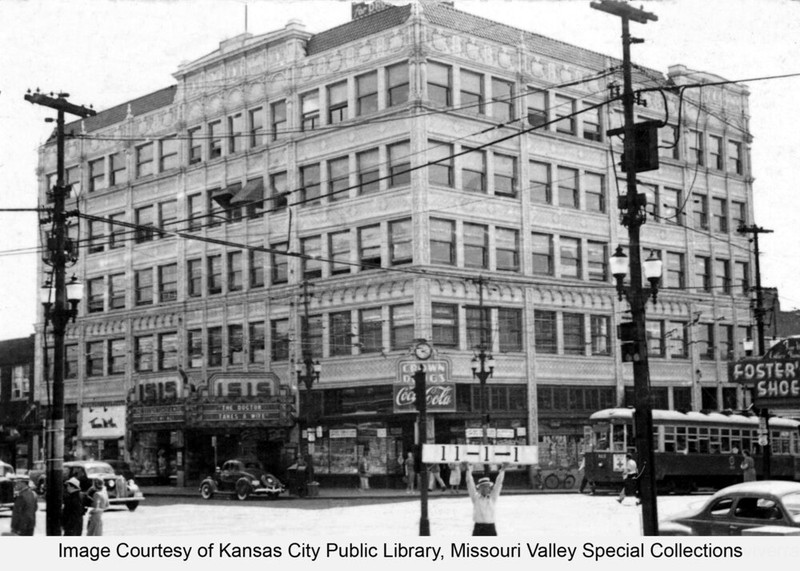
308 371
482 369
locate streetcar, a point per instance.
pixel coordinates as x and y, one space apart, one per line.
692 450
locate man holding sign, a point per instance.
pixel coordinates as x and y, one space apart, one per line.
484 499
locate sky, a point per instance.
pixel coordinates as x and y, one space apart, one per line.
106 52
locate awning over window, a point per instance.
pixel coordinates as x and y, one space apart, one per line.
222 196
253 192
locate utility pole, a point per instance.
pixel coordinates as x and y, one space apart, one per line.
59 248
420 392
766 453
634 217
483 368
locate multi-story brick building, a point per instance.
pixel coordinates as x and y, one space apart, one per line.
20 433
417 173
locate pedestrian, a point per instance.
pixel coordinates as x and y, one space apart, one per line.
629 475
363 473
410 472
23 514
748 467
74 508
99 505
582 471
455 477
484 500
435 477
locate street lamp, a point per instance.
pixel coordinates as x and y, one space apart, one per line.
482 369
652 267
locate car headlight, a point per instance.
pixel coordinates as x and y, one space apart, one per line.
255 482
111 483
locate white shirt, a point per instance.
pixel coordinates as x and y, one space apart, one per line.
483 506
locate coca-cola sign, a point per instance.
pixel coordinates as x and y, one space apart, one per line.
439 397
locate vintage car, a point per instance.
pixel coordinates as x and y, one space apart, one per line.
242 478
120 490
10 483
741 509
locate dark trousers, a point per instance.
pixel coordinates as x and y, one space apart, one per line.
484 529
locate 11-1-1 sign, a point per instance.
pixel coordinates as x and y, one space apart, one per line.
478 453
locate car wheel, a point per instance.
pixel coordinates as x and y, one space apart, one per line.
242 490
132 505
206 491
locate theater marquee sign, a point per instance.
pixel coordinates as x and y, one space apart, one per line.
775 382
440 391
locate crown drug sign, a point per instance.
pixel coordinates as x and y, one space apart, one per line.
440 392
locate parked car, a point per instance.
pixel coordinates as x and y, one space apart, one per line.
121 467
10 483
120 490
740 508
242 478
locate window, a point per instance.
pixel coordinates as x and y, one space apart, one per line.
168 216
370 330
118 166
445 324
340 340
256 122
194 343
117 236
701 211
309 110
169 153
594 192
145 220
741 276
537 107
337 103
502 100
368 171
719 214
473 173
279 263
568 188
279 342
369 247
442 241
674 274
399 164
214 274
722 275
95 296
479 328
236 344
570 257
440 163
72 177
591 122
540 182
735 157
214 139
97 174
705 340
672 205
472 98
715 152
565 114
256 335
195 143
574 334
312 335
668 148
144 160
279 190
677 346
400 243
597 261
235 133
310 182
738 215
232 213
194 277
97 236
397 84
256 265
702 273
235 271
601 340
168 282
339 252
509 325
143 282
726 342
476 246
338 178
401 326
439 84
278 118
696 150
143 353
194 206
70 361
544 328
117 356
367 93
542 248
116 291
507 249
311 249
214 346
94 358
655 338
167 351
505 175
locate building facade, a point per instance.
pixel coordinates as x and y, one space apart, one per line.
20 431
332 199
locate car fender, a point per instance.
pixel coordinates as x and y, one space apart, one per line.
672 528
212 482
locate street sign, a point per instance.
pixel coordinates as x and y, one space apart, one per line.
479 454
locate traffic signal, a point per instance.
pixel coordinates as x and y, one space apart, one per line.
419 388
645 145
